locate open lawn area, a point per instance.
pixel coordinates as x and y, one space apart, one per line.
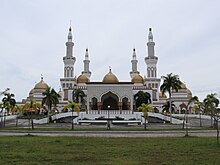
81 150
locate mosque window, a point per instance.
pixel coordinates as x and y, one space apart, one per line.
156 85
149 85
152 85
63 85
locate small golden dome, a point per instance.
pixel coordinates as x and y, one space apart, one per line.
82 79
110 78
162 95
137 79
41 85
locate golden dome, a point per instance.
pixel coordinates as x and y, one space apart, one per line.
41 85
82 79
110 78
137 79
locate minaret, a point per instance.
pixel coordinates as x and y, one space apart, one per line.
151 59
69 60
152 82
86 64
134 62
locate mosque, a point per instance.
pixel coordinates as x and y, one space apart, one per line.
111 93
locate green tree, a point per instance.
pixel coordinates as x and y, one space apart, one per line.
211 107
210 104
78 96
142 97
8 101
170 82
50 99
30 108
166 107
145 108
75 107
192 100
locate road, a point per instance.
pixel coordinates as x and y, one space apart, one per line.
131 134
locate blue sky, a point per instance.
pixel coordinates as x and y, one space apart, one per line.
33 35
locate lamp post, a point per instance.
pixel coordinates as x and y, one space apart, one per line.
200 117
108 124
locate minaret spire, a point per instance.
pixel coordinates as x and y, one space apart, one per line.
69 60
151 60
134 62
86 64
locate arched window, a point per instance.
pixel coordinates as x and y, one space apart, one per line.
125 103
94 103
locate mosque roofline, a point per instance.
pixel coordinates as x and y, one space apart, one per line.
110 83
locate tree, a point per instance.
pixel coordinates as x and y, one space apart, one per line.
199 108
142 97
50 99
75 107
166 107
30 108
78 96
17 109
145 108
8 103
170 82
194 99
210 104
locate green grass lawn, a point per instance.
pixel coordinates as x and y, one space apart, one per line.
116 151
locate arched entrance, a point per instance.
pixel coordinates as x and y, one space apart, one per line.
110 99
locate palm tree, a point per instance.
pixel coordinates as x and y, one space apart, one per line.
194 99
78 95
142 97
74 107
145 108
166 107
170 82
199 108
8 103
211 103
50 99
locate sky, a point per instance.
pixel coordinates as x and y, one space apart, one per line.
33 35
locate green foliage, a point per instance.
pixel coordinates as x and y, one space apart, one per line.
51 98
78 96
142 97
170 82
8 101
166 107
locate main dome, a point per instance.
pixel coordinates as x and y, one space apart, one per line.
110 78
41 85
